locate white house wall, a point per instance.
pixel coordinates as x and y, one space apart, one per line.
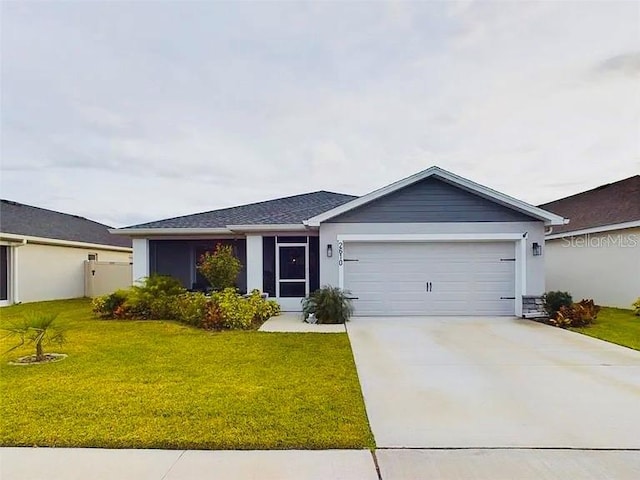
48 272
535 279
604 266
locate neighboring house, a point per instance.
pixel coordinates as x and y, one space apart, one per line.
43 254
598 254
431 244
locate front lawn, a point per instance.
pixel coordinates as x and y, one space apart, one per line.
615 325
159 384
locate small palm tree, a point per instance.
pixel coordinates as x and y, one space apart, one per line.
37 328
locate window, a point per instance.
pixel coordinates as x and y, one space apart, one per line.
93 256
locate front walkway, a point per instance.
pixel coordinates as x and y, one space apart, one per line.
292 323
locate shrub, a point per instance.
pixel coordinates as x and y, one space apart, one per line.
636 306
190 308
37 328
153 297
578 314
235 311
552 302
228 310
263 309
220 268
112 305
329 304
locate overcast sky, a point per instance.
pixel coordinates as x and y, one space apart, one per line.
126 112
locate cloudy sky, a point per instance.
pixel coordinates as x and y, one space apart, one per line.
126 112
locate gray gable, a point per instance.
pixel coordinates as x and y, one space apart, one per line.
431 200
288 210
21 219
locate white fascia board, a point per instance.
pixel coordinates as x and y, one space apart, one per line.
432 237
62 243
600 229
548 217
279 227
146 232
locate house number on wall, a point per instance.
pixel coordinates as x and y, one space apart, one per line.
340 253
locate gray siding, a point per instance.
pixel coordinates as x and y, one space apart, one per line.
431 200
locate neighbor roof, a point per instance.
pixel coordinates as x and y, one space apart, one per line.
610 204
20 219
288 210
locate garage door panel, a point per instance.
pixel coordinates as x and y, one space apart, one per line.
465 278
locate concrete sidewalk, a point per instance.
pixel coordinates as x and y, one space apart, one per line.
395 464
99 464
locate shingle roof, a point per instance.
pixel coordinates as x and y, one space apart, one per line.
609 204
287 210
21 219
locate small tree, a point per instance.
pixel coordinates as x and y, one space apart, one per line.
37 328
220 268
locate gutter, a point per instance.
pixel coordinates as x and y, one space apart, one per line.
62 243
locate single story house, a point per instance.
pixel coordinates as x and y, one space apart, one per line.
598 254
44 254
431 244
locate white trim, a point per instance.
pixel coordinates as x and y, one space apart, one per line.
138 232
291 303
519 239
254 262
548 217
430 237
520 273
140 259
226 230
280 227
64 243
602 228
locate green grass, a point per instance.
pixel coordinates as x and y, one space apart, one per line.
615 325
159 384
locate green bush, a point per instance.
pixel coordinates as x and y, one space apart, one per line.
554 300
112 305
235 310
220 268
163 298
263 309
329 304
228 310
153 297
190 308
636 306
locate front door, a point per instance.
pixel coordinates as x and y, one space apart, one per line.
292 274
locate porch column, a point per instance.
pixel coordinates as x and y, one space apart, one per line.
140 259
254 262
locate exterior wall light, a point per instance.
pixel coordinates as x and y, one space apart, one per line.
329 250
537 249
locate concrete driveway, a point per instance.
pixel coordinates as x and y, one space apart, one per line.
494 382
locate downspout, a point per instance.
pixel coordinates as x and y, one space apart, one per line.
14 271
548 232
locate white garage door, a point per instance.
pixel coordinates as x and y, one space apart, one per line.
431 278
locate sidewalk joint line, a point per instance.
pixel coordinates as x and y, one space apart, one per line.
173 464
590 449
375 463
